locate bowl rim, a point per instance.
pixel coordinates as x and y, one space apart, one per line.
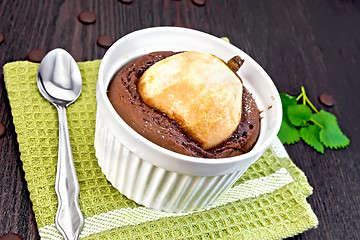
102 89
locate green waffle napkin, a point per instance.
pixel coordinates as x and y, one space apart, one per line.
267 202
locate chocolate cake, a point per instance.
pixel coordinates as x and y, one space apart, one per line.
166 132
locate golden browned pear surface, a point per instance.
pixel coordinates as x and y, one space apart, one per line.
199 91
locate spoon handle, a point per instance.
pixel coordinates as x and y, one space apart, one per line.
69 219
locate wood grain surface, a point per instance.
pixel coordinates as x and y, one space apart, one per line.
315 44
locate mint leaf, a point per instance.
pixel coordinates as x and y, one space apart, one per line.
288 134
299 114
318 130
330 135
310 135
287 100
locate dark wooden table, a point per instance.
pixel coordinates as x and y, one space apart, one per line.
315 44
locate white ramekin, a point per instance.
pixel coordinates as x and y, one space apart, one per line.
156 177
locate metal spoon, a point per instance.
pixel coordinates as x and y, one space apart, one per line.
59 81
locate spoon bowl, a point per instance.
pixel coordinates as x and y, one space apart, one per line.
59 81
59 78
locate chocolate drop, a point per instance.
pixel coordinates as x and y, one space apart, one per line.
36 55
87 17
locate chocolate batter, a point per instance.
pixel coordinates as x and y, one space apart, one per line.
165 132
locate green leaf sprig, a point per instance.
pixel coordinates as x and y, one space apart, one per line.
320 130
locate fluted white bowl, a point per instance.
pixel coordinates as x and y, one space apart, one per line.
159 178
